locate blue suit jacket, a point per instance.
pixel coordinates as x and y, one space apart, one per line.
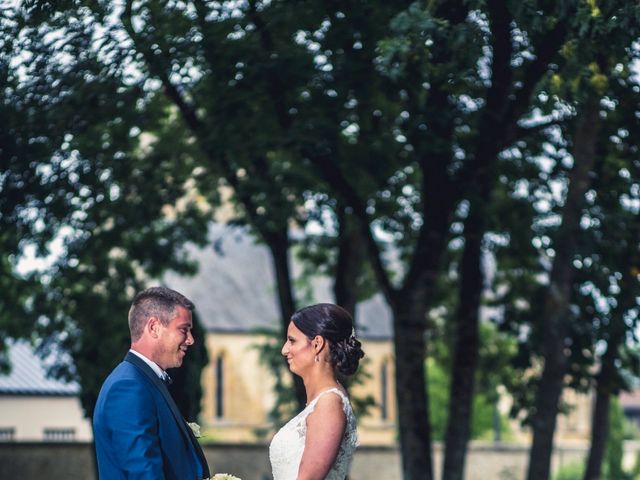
138 430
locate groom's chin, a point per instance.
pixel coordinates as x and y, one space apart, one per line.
180 358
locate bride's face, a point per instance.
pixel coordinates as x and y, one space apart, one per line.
298 350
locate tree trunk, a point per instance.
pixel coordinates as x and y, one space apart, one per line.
278 244
411 389
410 307
491 133
351 250
608 380
607 385
465 361
467 340
599 434
556 310
547 402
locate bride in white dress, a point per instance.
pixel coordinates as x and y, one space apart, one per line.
319 442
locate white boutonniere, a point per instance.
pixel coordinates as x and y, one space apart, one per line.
224 476
195 428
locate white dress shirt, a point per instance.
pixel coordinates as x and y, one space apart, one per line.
154 366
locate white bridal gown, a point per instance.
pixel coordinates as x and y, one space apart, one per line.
285 451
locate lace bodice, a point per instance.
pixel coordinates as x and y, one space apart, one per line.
287 446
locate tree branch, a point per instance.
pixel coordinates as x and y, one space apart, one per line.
476 174
437 191
334 177
501 72
188 114
544 53
520 132
157 67
274 79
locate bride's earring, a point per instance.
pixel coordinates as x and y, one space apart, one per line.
317 358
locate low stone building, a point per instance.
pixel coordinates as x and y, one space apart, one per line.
235 297
36 408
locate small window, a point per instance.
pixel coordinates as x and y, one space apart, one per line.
7 434
59 434
219 387
384 391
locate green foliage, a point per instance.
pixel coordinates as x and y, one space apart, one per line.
612 468
613 455
484 405
570 471
496 371
438 384
602 303
630 430
79 172
635 471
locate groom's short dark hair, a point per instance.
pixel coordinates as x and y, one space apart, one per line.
160 302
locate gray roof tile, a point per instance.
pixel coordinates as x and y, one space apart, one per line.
28 375
234 289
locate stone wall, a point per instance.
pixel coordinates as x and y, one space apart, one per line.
37 461
69 461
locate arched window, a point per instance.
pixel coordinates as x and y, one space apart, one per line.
384 390
219 387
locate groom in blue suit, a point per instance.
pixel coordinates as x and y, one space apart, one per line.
138 430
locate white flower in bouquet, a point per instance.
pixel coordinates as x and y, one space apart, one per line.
195 428
224 476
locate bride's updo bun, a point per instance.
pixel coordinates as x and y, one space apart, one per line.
346 355
336 325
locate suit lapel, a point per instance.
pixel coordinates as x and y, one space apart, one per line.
186 430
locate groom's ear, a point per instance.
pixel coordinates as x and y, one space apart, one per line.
153 325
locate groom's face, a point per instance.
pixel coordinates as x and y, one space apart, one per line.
174 339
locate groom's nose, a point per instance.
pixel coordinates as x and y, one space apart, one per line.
190 340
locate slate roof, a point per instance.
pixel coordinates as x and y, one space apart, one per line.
235 291
28 375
